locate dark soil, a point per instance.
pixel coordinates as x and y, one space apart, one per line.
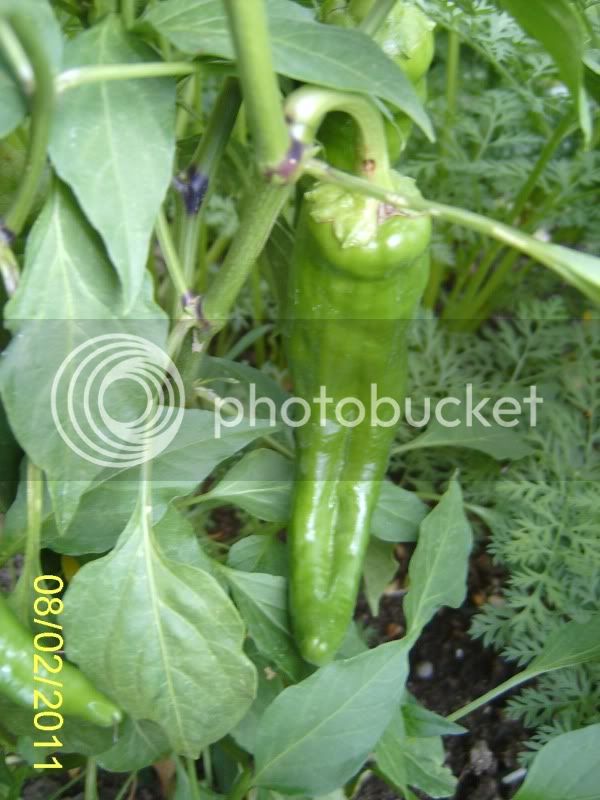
448 669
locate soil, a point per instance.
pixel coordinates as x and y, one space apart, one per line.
449 669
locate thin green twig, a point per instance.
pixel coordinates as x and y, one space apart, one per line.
41 106
169 251
80 76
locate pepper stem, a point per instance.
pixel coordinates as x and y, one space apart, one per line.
248 24
40 97
306 109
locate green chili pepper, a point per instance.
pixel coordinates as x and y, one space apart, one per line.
18 668
406 36
359 270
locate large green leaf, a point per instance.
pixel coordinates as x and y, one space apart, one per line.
317 734
438 568
114 144
68 296
379 569
166 641
567 767
260 483
262 602
302 49
414 761
461 426
40 17
397 515
138 744
559 27
188 460
571 644
263 553
270 684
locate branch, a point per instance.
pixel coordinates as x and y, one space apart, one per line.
250 31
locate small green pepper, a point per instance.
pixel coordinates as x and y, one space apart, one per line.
358 272
18 668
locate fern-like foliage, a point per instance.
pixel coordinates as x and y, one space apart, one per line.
545 525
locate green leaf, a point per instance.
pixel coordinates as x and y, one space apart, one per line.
410 761
560 29
262 602
114 144
166 641
260 483
68 295
10 457
302 49
263 553
379 569
317 734
40 17
397 515
422 723
471 432
269 686
571 644
438 567
566 767
138 744
177 471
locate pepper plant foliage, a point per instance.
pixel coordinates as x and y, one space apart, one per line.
139 203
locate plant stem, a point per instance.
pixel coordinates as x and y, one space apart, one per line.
16 58
64 789
470 303
433 285
260 214
167 246
42 105
377 16
250 30
79 76
35 496
207 765
242 785
452 82
511 683
128 13
559 259
306 109
126 785
205 164
185 106
91 785
193 778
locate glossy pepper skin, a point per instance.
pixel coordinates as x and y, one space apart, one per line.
358 272
406 36
79 697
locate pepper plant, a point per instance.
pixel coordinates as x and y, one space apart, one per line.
136 135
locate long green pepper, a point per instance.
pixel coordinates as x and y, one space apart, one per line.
359 270
79 697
